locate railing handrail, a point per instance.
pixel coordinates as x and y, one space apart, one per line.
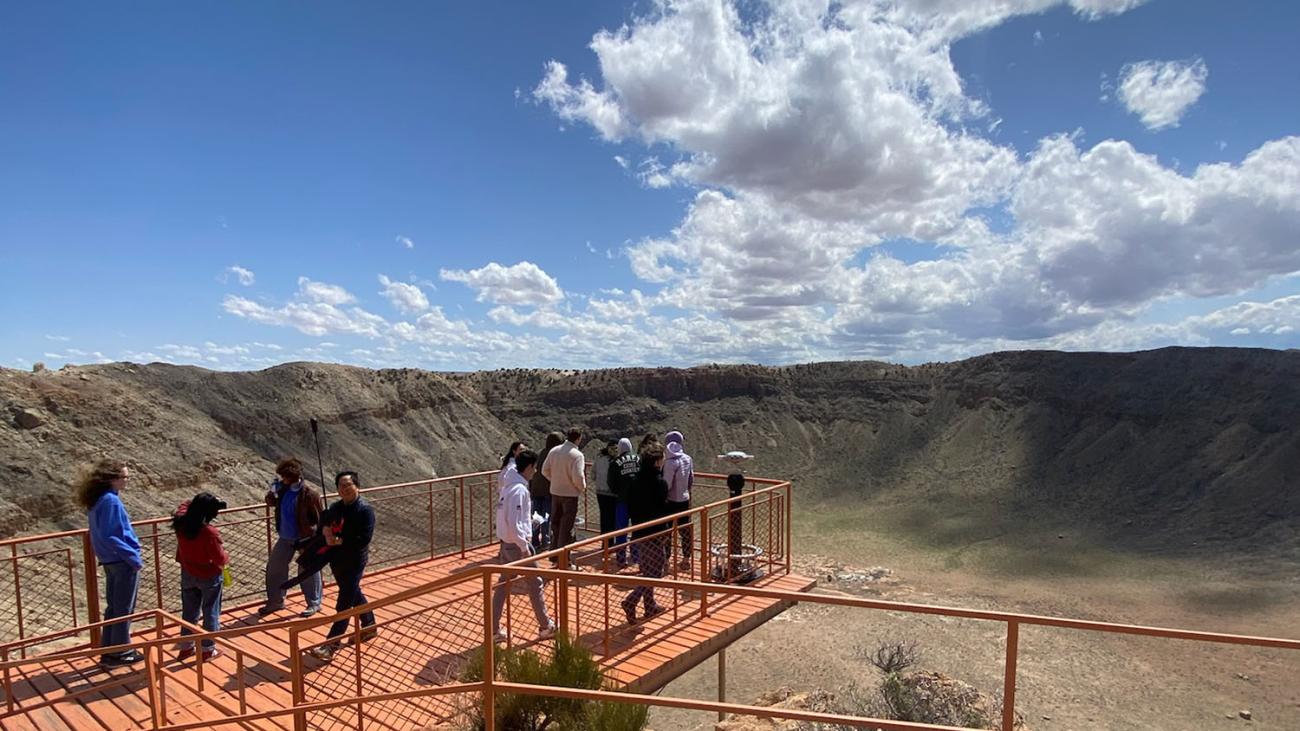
778 485
906 607
18 540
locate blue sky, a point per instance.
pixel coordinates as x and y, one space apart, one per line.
462 186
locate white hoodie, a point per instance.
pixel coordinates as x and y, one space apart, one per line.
514 512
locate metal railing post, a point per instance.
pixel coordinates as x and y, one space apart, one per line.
463 529
562 591
788 510
295 665
706 567
433 550
92 587
1009 680
489 657
18 593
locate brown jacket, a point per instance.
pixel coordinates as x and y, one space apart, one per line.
309 507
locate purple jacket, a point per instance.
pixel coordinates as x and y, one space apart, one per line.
679 473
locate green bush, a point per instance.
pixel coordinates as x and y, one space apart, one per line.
570 666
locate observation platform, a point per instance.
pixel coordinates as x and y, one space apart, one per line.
432 614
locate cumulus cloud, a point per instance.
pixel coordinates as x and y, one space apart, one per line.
1160 92
520 284
407 298
317 310
242 275
330 294
406 242
814 133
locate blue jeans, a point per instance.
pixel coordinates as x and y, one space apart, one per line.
200 596
621 522
277 572
348 580
121 581
542 533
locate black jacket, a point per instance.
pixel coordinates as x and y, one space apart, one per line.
355 524
622 474
647 500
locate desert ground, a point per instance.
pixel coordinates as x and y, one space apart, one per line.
1067 679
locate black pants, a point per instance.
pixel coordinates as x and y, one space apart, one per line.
348 578
684 527
607 504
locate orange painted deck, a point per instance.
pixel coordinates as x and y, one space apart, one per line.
423 642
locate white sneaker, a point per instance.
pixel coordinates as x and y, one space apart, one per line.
547 632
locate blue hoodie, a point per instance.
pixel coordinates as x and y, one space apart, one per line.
111 534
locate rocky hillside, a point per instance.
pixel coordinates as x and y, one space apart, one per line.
1142 447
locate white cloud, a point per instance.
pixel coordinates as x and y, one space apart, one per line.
244 276
330 294
315 310
406 242
407 298
1161 92
815 138
580 102
58 338
520 284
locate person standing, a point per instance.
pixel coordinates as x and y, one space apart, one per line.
622 477
606 500
117 549
348 526
514 529
508 461
566 468
202 558
679 473
647 503
540 489
298 507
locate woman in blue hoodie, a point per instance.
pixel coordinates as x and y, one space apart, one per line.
118 551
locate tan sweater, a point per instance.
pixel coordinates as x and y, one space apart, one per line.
565 468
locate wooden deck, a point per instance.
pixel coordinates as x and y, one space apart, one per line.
423 643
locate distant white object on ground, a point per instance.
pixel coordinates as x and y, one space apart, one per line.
735 457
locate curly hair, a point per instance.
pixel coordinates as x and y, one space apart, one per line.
97 480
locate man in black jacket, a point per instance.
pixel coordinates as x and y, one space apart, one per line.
348 525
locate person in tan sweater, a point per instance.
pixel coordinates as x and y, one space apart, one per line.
565 467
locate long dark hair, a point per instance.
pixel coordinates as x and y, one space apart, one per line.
97 481
191 516
509 453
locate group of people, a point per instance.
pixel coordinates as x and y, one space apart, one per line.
307 533
537 510
538 504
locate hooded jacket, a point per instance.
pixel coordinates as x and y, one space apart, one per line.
514 512
622 473
679 469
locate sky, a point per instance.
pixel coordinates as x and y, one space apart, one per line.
464 186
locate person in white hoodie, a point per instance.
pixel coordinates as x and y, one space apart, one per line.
515 530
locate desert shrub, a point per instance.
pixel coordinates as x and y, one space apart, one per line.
570 666
926 697
894 657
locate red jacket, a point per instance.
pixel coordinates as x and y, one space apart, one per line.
202 556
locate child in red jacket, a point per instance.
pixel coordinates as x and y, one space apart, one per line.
199 551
